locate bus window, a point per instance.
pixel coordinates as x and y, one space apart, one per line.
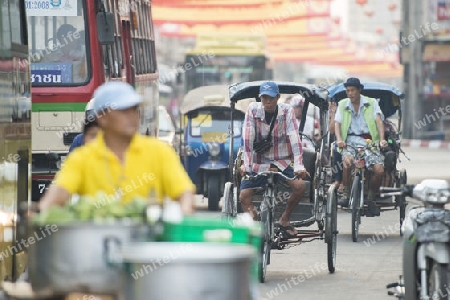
58 43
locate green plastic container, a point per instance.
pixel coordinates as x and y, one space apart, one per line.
204 229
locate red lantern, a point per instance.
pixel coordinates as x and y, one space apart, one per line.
361 2
369 13
379 30
392 6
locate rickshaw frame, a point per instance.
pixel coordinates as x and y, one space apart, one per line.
324 200
390 102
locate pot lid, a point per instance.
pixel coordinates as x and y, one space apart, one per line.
190 252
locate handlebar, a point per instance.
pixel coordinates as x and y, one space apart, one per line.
267 173
407 190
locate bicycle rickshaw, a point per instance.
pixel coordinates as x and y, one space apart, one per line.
388 98
320 206
206 112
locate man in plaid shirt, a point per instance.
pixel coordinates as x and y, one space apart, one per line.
285 154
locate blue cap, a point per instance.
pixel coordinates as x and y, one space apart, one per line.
115 95
269 88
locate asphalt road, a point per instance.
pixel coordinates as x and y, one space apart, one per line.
363 268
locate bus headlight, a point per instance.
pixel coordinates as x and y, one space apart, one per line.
214 149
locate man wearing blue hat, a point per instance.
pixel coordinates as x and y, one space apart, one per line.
121 163
358 119
276 124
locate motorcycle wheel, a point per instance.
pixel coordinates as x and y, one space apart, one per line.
213 193
439 281
356 213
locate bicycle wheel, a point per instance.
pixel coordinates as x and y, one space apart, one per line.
401 200
228 209
266 219
356 213
331 229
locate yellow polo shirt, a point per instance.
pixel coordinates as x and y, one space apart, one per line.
149 166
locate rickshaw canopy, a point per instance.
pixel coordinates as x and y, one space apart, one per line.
312 93
209 96
388 95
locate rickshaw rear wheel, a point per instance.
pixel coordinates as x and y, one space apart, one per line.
213 193
331 229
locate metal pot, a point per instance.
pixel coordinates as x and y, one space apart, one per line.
188 271
72 258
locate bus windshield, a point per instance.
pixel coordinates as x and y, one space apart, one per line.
223 69
57 41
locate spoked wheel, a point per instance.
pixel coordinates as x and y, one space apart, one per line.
228 208
439 281
401 200
266 245
356 211
331 228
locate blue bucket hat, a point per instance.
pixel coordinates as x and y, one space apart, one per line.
115 95
269 88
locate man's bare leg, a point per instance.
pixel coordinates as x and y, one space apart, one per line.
245 197
298 190
346 174
377 176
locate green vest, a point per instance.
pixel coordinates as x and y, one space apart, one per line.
368 116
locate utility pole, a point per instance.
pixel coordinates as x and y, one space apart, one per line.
415 81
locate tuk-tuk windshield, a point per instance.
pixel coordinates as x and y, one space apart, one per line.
215 122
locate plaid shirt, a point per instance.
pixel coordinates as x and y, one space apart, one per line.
285 139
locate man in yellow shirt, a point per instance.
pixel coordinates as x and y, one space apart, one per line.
120 162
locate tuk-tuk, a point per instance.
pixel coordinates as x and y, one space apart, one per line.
206 118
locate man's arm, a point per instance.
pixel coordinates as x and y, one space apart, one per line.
332 115
186 201
380 127
294 139
337 131
175 181
379 117
248 136
55 195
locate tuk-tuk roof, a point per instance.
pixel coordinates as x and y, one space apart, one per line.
389 95
312 93
209 96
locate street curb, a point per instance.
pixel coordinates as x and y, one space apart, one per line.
430 144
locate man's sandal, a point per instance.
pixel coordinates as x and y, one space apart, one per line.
286 234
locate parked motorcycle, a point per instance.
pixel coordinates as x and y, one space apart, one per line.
426 246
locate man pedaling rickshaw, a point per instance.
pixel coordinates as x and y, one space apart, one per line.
282 152
359 118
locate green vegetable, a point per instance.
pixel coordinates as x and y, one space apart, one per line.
94 209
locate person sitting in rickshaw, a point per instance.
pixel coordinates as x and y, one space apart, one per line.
359 118
120 161
285 145
311 128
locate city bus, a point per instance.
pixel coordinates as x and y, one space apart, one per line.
15 136
75 46
225 58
